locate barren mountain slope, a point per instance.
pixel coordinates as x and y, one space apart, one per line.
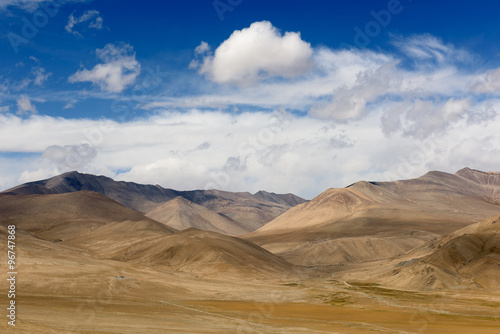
484 178
375 220
467 258
179 213
57 212
205 253
101 228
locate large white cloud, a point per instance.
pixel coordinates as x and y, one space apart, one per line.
255 53
347 85
118 70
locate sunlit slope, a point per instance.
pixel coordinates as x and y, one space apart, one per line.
377 220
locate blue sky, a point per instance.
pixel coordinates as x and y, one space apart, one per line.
286 96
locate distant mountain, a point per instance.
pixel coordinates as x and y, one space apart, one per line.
379 220
286 199
181 214
142 198
252 211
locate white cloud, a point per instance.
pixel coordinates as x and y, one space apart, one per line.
35 175
488 83
4 108
202 48
31 5
70 104
35 59
16 86
118 70
40 75
372 80
347 85
256 53
421 118
70 157
92 16
427 48
350 102
24 106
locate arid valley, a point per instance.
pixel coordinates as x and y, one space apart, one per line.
98 256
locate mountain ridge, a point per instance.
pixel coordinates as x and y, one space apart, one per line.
252 211
368 221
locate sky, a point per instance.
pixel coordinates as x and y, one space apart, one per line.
248 95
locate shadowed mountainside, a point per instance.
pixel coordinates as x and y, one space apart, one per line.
62 217
78 211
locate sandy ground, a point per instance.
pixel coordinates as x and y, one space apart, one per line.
161 302
61 289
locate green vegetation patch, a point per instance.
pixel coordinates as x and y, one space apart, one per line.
337 298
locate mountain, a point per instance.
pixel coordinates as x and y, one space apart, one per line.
285 199
180 214
55 215
251 211
490 178
135 196
204 253
467 258
104 229
378 220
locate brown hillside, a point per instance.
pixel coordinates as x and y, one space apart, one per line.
376 220
58 215
251 211
467 258
181 214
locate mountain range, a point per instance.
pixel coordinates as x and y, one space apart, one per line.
246 211
370 221
430 224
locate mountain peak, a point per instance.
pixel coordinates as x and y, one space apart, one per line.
477 176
